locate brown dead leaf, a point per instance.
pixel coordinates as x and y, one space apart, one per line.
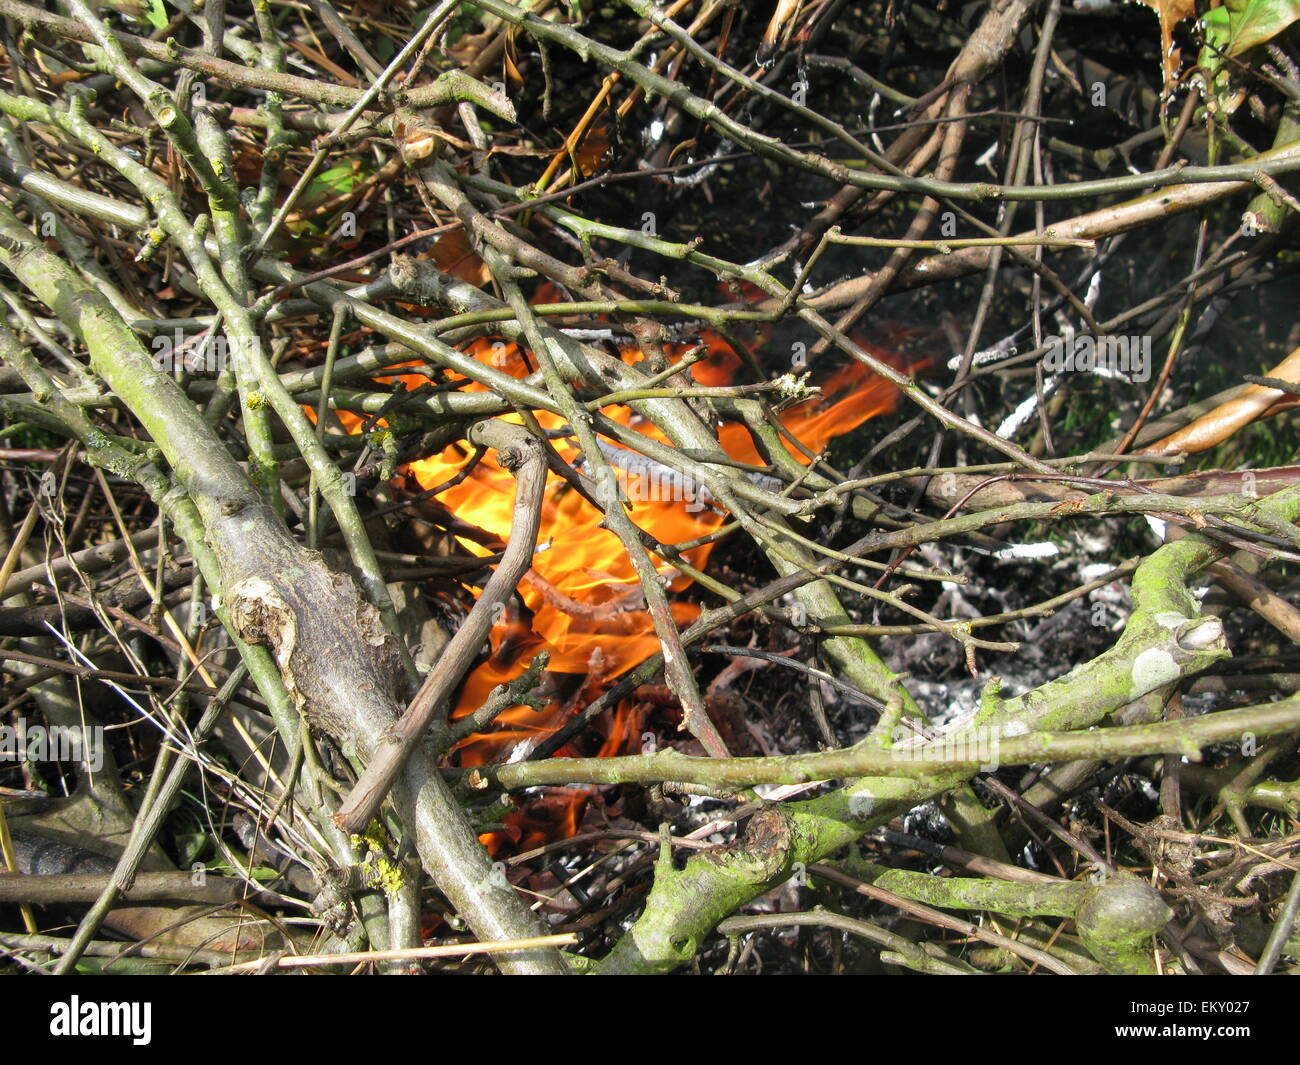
508 61
454 256
594 152
1171 12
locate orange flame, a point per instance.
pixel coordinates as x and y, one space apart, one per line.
583 591
583 595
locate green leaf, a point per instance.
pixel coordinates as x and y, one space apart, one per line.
157 14
1218 31
1260 21
331 182
189 846
1242 24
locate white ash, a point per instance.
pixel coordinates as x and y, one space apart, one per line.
521 751
1039 550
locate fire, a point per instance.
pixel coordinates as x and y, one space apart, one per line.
582 595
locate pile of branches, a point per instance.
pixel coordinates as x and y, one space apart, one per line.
224 226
